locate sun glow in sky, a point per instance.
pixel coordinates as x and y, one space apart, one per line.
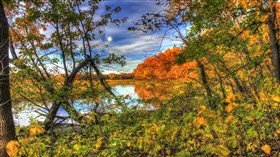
109 39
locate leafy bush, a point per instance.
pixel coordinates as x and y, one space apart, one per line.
237 127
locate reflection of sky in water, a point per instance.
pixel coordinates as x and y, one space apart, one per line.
125 90
23 117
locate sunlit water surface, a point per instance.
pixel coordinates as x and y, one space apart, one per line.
30 113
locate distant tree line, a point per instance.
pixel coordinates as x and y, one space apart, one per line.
110 76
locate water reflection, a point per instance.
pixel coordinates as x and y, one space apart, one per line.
154 92
133 92
28 113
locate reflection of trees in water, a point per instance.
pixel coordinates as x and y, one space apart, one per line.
156 92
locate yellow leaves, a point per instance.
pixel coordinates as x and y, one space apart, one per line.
199 121
252 146
173 134
201 109
25 140
266 148
36 130
254 39
168 151
12 148
219 150
77 147
276 98
209 136
156 127
128 143
99 142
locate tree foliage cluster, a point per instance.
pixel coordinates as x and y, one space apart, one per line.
67 49
163 66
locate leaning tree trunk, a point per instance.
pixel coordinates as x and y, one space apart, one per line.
204 82
63 99
7 126
274 44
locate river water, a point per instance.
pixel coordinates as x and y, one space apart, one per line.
29 113
135 93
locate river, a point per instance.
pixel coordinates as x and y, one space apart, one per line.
135 92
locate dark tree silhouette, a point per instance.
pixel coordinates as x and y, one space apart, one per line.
7 126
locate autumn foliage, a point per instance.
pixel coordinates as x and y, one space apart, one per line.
163 66
224 102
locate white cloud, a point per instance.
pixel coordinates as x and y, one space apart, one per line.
140 44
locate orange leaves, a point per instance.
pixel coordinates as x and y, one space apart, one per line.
163 66
199 121
230 97
230 107
229 119
266 148
12 147
231 104
244 4
36 130
264 18
231 3
244 34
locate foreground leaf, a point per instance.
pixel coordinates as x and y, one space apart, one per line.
266 148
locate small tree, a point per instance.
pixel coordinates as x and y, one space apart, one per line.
67 50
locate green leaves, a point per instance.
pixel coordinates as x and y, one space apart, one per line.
113 58
219 150
166 131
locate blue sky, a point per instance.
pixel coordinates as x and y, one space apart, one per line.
135 46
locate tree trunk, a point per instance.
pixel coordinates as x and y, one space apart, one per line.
63 101
221 84
274 45
70 110
204 81
7 126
